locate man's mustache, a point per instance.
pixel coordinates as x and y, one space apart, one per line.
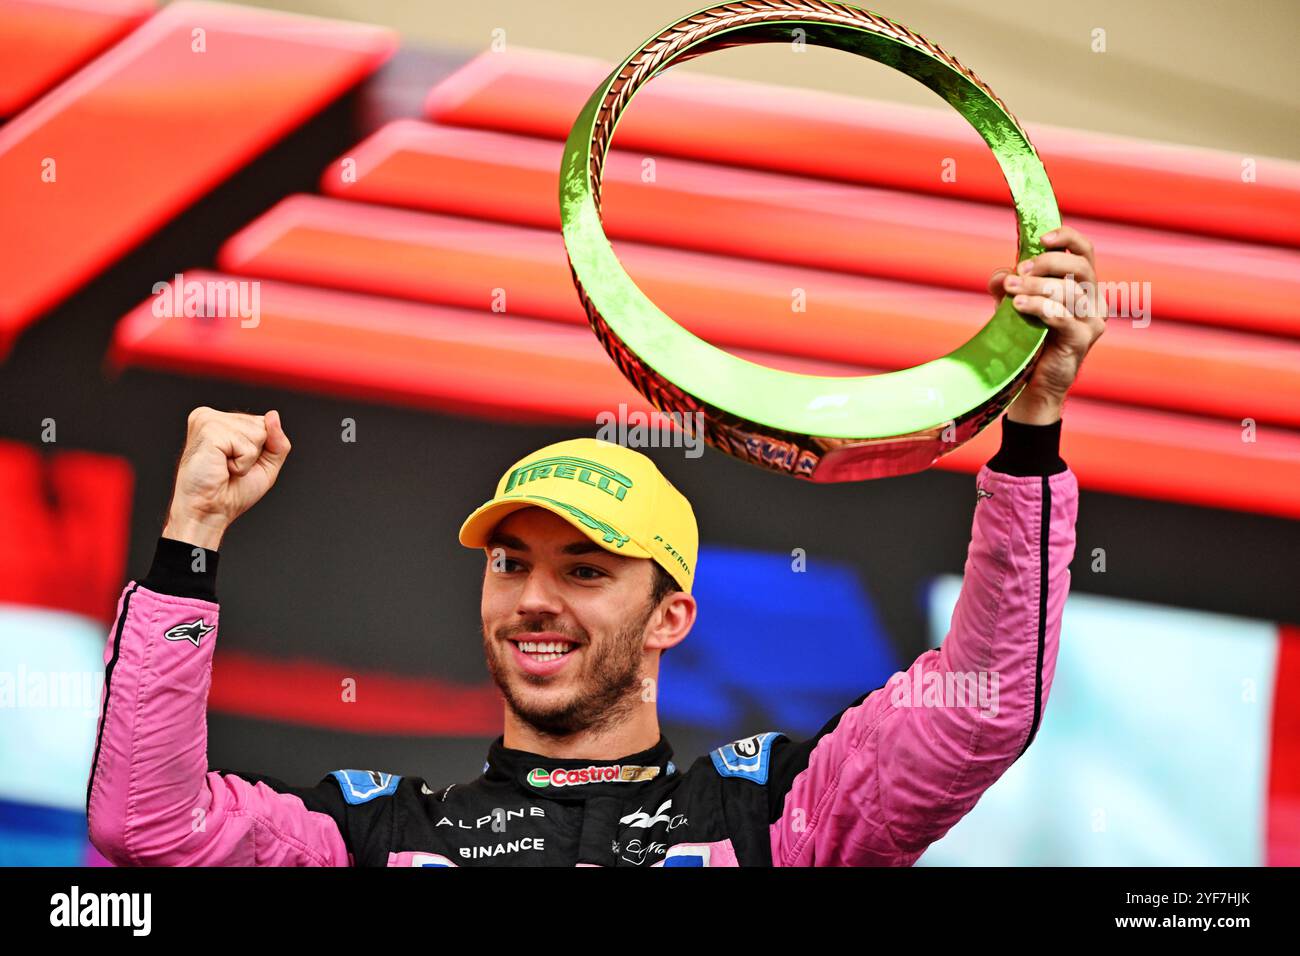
579 637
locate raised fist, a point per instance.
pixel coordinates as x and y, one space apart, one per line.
230 461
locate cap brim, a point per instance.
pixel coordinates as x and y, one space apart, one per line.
476 530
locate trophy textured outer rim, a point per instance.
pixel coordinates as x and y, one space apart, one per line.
788 421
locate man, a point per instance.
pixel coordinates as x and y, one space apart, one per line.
590 560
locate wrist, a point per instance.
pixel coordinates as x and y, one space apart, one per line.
183 569
1029 449
205 532
1034 408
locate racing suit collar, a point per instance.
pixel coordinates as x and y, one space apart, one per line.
577 778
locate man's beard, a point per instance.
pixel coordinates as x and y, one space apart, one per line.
607 691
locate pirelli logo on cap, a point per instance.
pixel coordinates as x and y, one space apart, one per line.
612 482
610 534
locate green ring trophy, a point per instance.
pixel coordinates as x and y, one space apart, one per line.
813 427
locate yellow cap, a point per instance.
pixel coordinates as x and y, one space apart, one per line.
612 494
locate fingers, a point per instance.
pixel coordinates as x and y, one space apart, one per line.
1072 263
241 452
1060 264
208 424
245 440
1052 313
1050 298
1063 291
1067 252
204 414
277 445
996 288
1058 285
1082 319
1072 240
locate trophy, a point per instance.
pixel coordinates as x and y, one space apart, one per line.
813 427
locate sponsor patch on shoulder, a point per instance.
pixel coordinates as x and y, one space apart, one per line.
747 757
362 786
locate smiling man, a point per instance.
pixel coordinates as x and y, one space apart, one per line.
590 557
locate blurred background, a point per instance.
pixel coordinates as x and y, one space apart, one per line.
348 211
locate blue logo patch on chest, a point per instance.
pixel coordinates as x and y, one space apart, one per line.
747 758
362 786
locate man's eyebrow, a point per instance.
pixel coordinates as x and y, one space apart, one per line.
506 541
585 546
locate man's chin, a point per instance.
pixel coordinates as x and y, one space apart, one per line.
553 714
542 694
580 694
538 700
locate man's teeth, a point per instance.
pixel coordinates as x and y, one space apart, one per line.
542 651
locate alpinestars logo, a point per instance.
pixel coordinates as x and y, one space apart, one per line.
981 494
190 632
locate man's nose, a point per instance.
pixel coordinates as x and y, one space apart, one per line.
541 593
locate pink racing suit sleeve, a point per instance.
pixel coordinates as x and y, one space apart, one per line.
894 772
151 800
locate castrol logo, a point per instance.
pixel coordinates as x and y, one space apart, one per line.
605 773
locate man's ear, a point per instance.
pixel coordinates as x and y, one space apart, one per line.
671 621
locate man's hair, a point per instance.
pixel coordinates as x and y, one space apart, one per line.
663 584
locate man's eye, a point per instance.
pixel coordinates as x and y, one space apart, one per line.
595 572
506 564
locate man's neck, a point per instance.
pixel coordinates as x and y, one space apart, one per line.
627 737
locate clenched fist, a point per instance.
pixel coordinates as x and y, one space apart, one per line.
230 461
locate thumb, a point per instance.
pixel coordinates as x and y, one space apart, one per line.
277 445
995 283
